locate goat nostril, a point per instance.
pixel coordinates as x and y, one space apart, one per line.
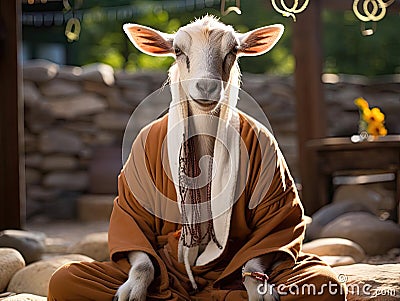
201 86
206 86
212 86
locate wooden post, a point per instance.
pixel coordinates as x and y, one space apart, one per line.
11 118
311 116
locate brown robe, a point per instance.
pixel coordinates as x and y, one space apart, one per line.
275 228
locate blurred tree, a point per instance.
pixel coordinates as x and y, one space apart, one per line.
348 51
104 40
345 49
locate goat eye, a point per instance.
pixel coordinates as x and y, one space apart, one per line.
178 51
234 50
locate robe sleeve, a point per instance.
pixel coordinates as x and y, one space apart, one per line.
132 226
276 224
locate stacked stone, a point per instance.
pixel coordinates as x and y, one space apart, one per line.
72 112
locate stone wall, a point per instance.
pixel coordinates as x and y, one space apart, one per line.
75 118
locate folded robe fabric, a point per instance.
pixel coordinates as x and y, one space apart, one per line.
273 224
267 219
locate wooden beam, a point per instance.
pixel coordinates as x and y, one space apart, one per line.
11 122
310 106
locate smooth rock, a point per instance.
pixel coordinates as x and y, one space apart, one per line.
31 144
34 278
29 244
373 235
112 95
76 106
74 180
10 262
25 297
63 207
33 160
32 207
71 73
115 102
59 162
98 72
145 79
374 197
371 282
59 88
335 261
134 97
61 141
39 70
57 246
95 207
112 120
32 176
32 95
39 118
328 213
334 247
39 193
106 139
94 245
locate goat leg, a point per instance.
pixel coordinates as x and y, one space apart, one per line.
141 274
256 289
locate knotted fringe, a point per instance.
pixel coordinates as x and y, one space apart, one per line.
191 225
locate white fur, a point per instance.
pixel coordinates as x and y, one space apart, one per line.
201 50
141 275
252 285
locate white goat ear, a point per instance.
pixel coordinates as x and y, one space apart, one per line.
260 40
149 40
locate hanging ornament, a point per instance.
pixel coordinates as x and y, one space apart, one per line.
372 11
235 9
287 11
73 27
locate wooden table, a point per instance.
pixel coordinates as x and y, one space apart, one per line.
340 155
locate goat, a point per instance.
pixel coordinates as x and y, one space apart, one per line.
206 68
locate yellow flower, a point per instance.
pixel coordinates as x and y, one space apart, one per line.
376 129
361 103
373 115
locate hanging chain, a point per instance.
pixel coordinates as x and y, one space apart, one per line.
73 27
372 11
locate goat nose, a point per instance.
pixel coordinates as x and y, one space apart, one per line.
207 86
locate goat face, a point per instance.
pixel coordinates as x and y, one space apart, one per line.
206 53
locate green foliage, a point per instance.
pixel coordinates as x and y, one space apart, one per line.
348 51
345 49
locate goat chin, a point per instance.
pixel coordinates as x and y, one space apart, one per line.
256 293
141 274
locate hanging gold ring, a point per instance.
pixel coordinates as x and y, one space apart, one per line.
368 31
290 12
73 29
370 15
